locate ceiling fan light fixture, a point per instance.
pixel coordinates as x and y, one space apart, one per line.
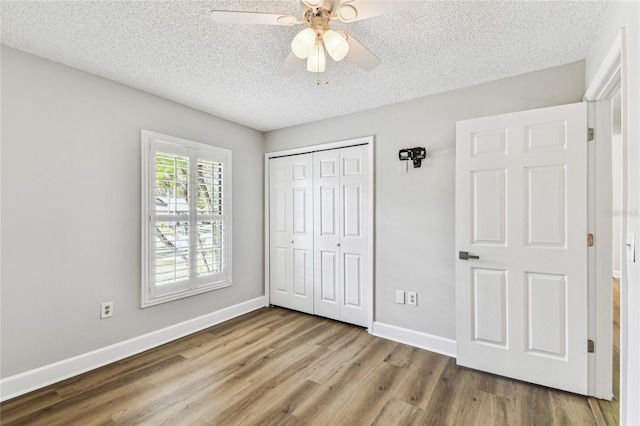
316 62
303 43
313 3
336 45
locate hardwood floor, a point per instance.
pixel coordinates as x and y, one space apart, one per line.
611 409
276 366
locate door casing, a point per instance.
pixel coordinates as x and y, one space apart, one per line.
610 78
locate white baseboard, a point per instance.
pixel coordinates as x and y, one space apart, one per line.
417 339
616 274
37 378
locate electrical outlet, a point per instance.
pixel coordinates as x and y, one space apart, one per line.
107 310
400 297
412 297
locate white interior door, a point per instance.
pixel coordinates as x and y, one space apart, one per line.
341 222
521 208
291 232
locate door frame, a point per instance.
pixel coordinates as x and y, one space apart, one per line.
365 140
610 77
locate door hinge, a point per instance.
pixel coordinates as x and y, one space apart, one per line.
589 240
591 346
591 134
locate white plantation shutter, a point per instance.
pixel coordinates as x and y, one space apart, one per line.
186 217
210 216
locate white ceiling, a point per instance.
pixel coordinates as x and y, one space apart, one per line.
174 50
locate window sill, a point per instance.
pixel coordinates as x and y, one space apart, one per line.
182 294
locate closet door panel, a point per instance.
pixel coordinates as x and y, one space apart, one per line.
352 279
291 232
302 232
351 210
327 233
328 277
354 238
280 273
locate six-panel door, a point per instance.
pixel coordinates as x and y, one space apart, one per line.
521 308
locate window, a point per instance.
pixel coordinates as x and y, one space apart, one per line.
186 216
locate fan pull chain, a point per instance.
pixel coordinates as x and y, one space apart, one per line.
318 81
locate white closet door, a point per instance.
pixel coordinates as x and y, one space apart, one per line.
291 232
354 276
327 294
341 224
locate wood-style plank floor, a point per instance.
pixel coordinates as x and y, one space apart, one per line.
610 410
275 366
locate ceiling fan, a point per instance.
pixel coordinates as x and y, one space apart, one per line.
317 36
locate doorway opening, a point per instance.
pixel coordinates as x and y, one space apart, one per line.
610 410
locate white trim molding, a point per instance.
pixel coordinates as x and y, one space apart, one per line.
40 377
418 339
609 78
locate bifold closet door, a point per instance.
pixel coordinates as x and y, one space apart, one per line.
291 232
326 191
341 234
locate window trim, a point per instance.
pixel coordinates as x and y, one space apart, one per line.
148 213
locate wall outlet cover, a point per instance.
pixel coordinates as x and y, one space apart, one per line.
106 310
412 298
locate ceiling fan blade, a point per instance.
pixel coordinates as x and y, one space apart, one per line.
290 65
366 9
360 55
231 17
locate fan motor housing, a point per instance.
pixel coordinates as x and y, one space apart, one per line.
320 24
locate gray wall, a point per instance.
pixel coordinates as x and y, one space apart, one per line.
71 210
71 202
415 211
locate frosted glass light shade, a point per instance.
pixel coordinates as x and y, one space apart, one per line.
336 45
303 42
316 61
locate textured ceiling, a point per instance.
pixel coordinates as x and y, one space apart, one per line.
174 50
